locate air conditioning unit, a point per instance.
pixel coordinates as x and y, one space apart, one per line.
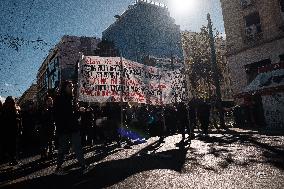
251 31
245 3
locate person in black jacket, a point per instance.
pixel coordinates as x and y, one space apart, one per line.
87 126
10 120
1 134
192 106
170 116
113 117
30 134
67 126
183 119
47 128
203 114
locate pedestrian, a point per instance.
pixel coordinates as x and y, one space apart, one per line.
203 114
192 113
67 126
152 119
47 128
161 123
99 123
142 120
113 117
214 116
30 129
238 116
87 126
90 123
10 120
183 120
83 126
170 119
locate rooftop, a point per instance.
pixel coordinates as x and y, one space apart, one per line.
135 5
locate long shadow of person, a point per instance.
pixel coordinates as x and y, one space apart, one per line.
108 173
99 152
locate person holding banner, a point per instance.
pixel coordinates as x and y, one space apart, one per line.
67 127
113 117
99 123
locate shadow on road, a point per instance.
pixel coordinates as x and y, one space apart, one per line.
99 153
270 153
111 172
225 148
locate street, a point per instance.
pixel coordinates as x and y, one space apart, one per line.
233 159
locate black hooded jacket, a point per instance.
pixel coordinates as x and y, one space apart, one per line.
66 115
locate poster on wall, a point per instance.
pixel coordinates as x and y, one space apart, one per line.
115 79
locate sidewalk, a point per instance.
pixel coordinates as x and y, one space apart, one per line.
249 130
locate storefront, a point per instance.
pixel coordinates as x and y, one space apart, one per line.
265 97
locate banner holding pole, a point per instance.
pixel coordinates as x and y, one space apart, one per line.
101 79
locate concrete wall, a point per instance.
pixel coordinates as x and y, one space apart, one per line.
233 13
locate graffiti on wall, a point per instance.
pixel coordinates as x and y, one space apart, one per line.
273 106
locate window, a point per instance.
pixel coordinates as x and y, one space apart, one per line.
281 2
253 25
245 3
252 69
53 76
253 20
45 79
282 5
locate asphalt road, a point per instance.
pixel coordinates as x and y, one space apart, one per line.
236 159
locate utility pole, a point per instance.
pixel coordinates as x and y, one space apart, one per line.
215 74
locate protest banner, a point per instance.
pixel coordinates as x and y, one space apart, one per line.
112 79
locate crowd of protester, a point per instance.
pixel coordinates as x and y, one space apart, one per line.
61 120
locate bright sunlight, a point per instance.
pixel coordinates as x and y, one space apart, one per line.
182 6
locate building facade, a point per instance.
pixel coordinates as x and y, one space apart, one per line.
28 97
255 39
61 63
145 29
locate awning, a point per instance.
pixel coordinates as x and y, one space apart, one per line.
266 80
265 83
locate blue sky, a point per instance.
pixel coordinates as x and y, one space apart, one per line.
51 19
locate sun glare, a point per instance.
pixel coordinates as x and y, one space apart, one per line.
182 6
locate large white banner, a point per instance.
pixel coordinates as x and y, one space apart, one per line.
101 79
